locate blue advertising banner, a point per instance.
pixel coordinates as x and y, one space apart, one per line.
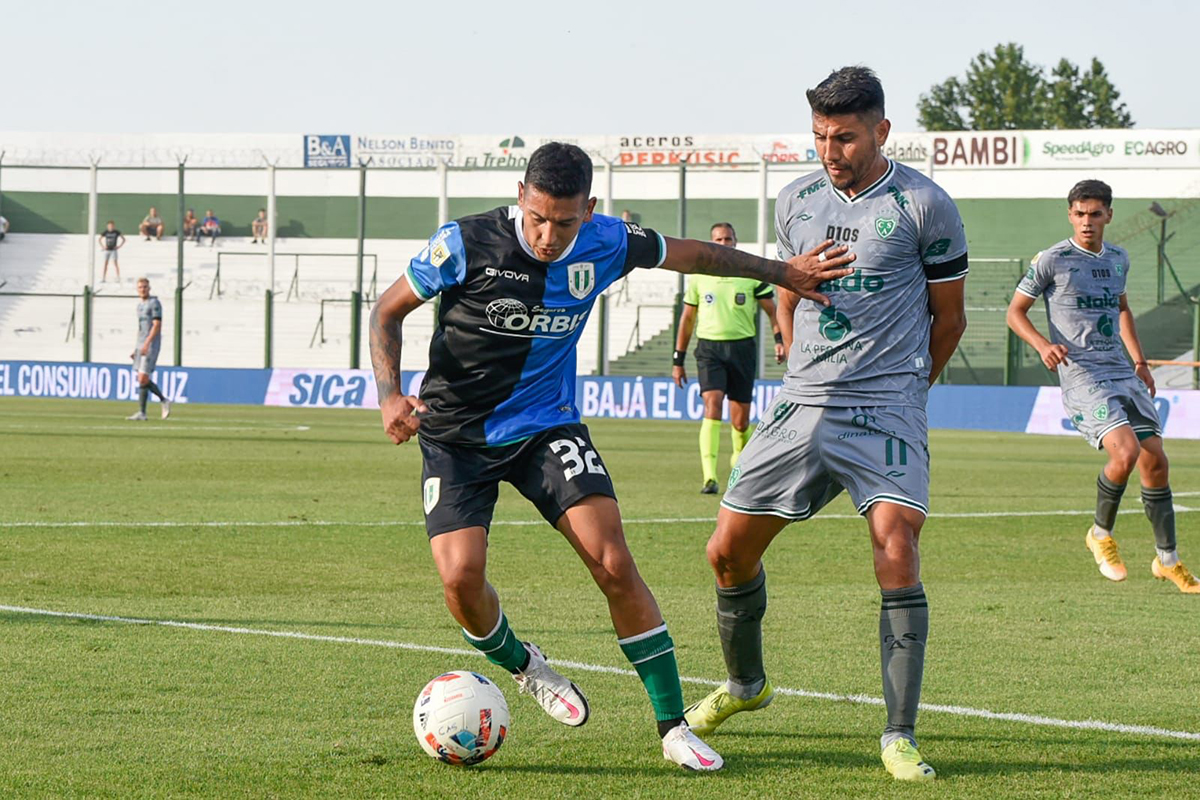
325 150
1029 409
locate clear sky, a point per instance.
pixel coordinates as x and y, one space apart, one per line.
468 66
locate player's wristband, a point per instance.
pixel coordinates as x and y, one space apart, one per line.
677 357
778 337
1141 363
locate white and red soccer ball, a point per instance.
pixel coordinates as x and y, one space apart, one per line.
460 718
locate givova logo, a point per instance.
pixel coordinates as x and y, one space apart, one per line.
325 150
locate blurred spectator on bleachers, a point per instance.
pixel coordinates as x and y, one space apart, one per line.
191 224
3 228
152 225
258 227
111 240
210 227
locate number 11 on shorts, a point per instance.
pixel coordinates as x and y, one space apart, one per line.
889 452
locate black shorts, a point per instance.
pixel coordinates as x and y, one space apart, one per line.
554 469
730 367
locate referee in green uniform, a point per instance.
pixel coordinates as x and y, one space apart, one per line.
723 311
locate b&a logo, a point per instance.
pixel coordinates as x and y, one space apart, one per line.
322 150
884 227
432 493
833 324
581 279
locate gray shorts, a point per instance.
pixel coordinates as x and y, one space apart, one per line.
801 457
1097 408
146 363
110 255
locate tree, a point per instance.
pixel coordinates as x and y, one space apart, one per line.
1003 91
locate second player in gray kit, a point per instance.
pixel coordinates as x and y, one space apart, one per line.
851 414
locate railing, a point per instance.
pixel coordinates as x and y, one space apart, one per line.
294 286
635 336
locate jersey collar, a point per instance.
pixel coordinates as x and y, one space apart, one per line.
1085 251
887 174
516 215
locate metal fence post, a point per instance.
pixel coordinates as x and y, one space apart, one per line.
179 270
602 335
356 310
443 204
1196 342
268 319
91 223
1012 357
682 219
272 212
87 323
760 330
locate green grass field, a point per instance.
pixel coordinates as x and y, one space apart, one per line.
275 520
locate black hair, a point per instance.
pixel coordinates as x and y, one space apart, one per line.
1090 190
560 170
849 90
729 225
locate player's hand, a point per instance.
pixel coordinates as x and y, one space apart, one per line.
146 349
1053 355
679 375
780 353
133 355
823 263
400 419
1143 373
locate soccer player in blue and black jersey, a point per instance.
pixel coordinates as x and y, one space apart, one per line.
498 404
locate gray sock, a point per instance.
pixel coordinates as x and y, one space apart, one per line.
903 631
1108 500
1160 510
740 610
143 392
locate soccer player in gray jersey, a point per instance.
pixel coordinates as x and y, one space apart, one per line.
145 351
852 411
1110 402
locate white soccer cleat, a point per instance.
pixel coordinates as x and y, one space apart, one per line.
558 696
166 408
688 751
138 417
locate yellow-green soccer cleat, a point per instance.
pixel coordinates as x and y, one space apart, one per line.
1108 558
704 717
1178 575
904 762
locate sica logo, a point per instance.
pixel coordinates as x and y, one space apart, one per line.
833 324
1105 325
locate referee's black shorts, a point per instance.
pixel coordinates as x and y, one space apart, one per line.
729 366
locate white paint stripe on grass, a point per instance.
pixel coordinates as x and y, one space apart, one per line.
175 427
860 699
327 523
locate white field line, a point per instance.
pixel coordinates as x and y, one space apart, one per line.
327 523
960 711
174 427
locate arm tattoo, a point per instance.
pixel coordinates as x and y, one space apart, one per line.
385 355
729 262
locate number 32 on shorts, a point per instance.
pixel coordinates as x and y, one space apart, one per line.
576 456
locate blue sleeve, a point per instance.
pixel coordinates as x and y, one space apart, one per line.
441 265
156 310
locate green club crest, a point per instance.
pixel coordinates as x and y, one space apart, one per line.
1077 420
1105 325
884 226
1101 412
833 324
733 476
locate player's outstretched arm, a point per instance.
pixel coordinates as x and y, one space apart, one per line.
687 321
785 312
398 410
1018 319
802 274
1133 345
947 306
772 312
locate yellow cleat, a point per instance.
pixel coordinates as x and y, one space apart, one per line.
1178 575
1107 556
904 762
704 717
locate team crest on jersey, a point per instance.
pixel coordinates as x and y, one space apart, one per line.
581 279
884 226
432 493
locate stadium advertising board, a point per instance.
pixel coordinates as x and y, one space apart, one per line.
1028 409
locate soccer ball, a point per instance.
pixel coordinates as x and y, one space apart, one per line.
460 718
